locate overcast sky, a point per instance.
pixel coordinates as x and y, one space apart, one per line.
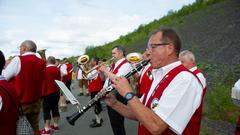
66 27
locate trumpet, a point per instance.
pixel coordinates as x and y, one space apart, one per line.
71 119
106 62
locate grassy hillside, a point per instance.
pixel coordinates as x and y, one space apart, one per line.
136 40
211 29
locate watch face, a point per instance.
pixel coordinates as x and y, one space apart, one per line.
128 96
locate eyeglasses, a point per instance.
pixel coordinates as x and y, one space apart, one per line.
156 45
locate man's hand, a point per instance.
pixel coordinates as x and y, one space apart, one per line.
110 100
122 85
103 68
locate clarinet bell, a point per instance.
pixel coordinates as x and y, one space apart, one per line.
71 119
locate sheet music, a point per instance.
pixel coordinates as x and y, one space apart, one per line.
67 92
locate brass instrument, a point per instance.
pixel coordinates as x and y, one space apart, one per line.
42 54
83 59
134 57
108 62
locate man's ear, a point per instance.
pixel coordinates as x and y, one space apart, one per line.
170 49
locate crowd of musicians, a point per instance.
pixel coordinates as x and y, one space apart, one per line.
165 97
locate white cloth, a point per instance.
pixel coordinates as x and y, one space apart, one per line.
14 67
180 99
63 70
1 102
236 90
51 65
123 70
80 73
200 76
237 84
92 75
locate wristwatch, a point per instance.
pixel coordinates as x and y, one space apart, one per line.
129 95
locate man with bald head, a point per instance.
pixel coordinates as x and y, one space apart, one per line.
27 73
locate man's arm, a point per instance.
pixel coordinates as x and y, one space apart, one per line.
12 69
92 75
144 115
119 107
106 72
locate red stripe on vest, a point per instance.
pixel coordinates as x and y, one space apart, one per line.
193 125
147 81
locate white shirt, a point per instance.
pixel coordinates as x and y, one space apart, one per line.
14 67
179 100
236 91
63 70
123 70
237 84
200 76
80 73
51 65
92 75
1 102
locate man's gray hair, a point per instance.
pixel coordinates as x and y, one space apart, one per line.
30 45
188 54
51 60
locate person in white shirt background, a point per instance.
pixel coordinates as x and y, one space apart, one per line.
119 68
188 60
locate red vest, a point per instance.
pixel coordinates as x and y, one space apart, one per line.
52 73
197 116
147 79
115 71
29 82
194 124
69 71
95 85
8 113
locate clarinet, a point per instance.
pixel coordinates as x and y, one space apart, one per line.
71 119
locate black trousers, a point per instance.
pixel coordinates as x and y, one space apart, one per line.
50 105
97 106
116 119
68 84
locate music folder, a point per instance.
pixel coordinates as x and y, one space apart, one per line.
67 92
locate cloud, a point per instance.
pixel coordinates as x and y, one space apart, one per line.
92 29
68 27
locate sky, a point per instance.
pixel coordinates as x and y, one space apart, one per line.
66 27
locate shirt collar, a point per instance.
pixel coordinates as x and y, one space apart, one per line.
50 65
28 53
119 61
193 69
2 77
164 70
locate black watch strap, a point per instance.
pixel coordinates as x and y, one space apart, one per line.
129 95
